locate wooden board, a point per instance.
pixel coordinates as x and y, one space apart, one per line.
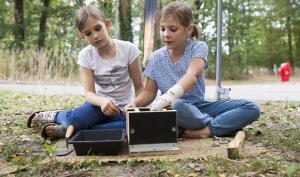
234 150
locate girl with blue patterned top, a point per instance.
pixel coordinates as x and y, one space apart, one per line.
177 71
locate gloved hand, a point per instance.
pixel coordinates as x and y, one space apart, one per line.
168 98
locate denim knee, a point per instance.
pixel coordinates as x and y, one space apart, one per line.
178 104
254 108
189 116
242 114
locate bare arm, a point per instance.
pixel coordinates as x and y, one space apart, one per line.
146 96
108 105
136 76
190 78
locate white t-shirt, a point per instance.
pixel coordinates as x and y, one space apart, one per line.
112 78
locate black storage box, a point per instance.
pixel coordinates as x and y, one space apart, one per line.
98 142
150 131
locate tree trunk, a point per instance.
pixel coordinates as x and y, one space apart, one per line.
19 21
290 47
197 6
229 28
117 21
297 52
125 20
151 25
247 18
43 23
157 26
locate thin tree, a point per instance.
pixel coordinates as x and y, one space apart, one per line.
19 21
151 28
43 24
125 20
117 21
289 12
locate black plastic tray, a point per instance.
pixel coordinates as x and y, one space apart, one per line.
98 142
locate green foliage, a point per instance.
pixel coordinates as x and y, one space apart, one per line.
12 152
50 149
86 164
125 20
291 170
255 33
278 126
133 162
212 169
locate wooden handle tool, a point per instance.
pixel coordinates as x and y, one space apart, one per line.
70 131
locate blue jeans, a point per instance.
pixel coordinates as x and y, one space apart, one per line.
222 117
89 116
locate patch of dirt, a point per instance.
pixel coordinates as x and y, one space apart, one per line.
188 149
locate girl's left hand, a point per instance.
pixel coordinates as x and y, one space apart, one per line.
162 102
168 98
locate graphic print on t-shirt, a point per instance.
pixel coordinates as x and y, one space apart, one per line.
113 78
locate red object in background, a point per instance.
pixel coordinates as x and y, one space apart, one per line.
285 71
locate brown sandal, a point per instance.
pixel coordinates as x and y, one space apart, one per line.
59 131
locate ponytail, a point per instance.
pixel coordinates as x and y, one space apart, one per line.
196 34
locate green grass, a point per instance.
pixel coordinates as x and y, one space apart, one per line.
278 129
278 125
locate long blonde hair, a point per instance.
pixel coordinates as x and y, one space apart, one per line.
183 14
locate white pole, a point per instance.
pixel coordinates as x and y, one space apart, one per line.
221 93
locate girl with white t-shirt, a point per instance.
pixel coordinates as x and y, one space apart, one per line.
109 70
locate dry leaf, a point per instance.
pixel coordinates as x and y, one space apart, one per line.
16 158
170 172
193 175
222 175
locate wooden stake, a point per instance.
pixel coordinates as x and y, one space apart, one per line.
235 146
70 131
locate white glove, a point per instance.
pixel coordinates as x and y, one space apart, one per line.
168 98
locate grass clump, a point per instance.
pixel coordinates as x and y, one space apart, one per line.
278 126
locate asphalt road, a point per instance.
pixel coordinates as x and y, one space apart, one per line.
285 91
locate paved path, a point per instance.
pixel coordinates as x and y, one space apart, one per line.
289 91
44 89
275 92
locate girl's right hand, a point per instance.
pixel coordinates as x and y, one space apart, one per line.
109 107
